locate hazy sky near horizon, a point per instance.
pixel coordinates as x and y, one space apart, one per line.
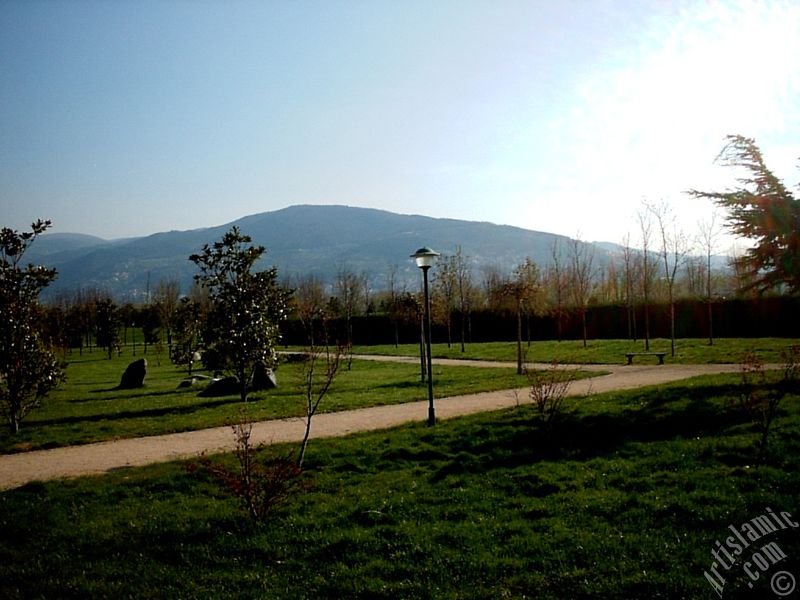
127 118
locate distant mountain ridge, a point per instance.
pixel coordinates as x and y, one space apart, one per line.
301 239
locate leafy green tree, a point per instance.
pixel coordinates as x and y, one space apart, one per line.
764 211
28 367
241 329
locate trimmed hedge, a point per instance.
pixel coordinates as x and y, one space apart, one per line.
774 316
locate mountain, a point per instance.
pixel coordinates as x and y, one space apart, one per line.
300 240
52 243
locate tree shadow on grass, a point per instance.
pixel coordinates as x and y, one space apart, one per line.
655 415
144 392
139 414
400 385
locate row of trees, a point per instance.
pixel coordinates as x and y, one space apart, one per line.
233 312
572 282
662 264
666 265
89 318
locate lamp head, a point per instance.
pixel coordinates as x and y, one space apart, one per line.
425 257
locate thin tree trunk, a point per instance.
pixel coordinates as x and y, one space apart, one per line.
519 339
710 324
304 444
672 325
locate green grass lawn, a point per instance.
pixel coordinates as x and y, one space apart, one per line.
687 351
624 498
87 408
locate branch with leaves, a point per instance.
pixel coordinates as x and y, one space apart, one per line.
28 367
241 327
764 211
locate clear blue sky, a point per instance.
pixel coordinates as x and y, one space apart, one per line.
125 118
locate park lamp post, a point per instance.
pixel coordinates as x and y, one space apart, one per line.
425 259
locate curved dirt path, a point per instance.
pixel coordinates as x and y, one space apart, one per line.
19 469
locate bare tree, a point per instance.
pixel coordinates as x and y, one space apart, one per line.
445 286
188 329
581 278
350 290
465 293
742 277
631 266
493 281
558 284
320 367
646 281
609 287
309 300
709 233
674 246
522 289
107 323
165 301
694 283
392 302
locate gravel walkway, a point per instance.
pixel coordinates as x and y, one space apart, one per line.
21 468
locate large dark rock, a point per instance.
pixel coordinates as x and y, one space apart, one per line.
226 386
134 375
263 379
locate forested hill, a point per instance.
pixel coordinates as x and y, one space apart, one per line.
299 240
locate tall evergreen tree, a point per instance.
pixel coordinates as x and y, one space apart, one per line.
764 211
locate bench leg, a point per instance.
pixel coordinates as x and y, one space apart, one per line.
661 359
630 360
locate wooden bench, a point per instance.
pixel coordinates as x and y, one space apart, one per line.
660 355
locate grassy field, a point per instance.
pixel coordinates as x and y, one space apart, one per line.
624 498
87 408
687 351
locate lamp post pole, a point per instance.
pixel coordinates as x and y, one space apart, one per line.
425 258
431 411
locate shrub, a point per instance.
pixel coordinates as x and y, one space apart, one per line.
548 389
760 398
261 484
